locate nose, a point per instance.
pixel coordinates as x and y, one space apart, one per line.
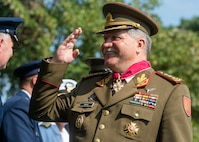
107 44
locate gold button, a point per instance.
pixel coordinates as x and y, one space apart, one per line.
136 114
106 112
101 126
97 140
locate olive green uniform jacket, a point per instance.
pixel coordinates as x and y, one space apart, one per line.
152 107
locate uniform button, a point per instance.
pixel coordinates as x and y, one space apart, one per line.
106 112
136 114
97 140
101 126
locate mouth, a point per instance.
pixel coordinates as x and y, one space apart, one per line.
109 52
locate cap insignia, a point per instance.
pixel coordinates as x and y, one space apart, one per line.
109 18
131 129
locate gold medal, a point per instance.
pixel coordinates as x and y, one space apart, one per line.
79 121
131 129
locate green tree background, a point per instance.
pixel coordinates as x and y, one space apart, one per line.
48 22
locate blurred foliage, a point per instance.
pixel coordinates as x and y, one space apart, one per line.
48 22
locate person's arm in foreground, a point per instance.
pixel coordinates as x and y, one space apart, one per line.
43 105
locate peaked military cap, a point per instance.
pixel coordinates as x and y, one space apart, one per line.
121 16
9 25
28 69
96 65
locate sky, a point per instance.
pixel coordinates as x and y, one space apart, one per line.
172 11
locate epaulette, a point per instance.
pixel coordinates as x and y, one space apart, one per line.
45 124
96 74
170 78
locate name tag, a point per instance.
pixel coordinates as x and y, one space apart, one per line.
86 104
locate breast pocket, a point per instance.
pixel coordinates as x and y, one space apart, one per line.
82 116
138 112
136 120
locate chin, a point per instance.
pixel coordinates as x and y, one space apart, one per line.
109 62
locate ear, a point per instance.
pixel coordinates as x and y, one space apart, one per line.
1 42
34 80
140 45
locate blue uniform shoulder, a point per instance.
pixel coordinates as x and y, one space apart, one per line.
173 79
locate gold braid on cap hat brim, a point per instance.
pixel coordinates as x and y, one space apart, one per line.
122 25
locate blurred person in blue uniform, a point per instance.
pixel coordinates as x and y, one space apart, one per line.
54 131
57 131
8 38
16 124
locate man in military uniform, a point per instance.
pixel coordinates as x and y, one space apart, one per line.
8 38
134 103
17 126
57 131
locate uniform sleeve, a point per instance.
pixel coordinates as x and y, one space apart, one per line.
18 127
1 112
176 121
46 104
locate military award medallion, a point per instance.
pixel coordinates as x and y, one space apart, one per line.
79 121
131 129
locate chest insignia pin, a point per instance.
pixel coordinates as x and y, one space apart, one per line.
79 121
131 129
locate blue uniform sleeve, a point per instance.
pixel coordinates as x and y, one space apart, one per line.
18 127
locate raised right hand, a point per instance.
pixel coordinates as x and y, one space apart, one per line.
65 52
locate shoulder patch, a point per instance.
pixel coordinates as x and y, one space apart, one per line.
187 105
45 124
170 78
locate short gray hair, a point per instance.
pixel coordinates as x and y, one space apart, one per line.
136 33
5 36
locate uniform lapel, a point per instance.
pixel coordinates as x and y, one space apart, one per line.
103 94
139 81
127 91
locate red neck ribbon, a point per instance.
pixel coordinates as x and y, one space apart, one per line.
132 70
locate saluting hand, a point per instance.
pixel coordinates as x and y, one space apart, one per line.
65 52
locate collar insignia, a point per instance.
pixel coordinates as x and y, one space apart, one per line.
104 81
142 81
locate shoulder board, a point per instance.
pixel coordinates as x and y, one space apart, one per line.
96 74
170 78
45 124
